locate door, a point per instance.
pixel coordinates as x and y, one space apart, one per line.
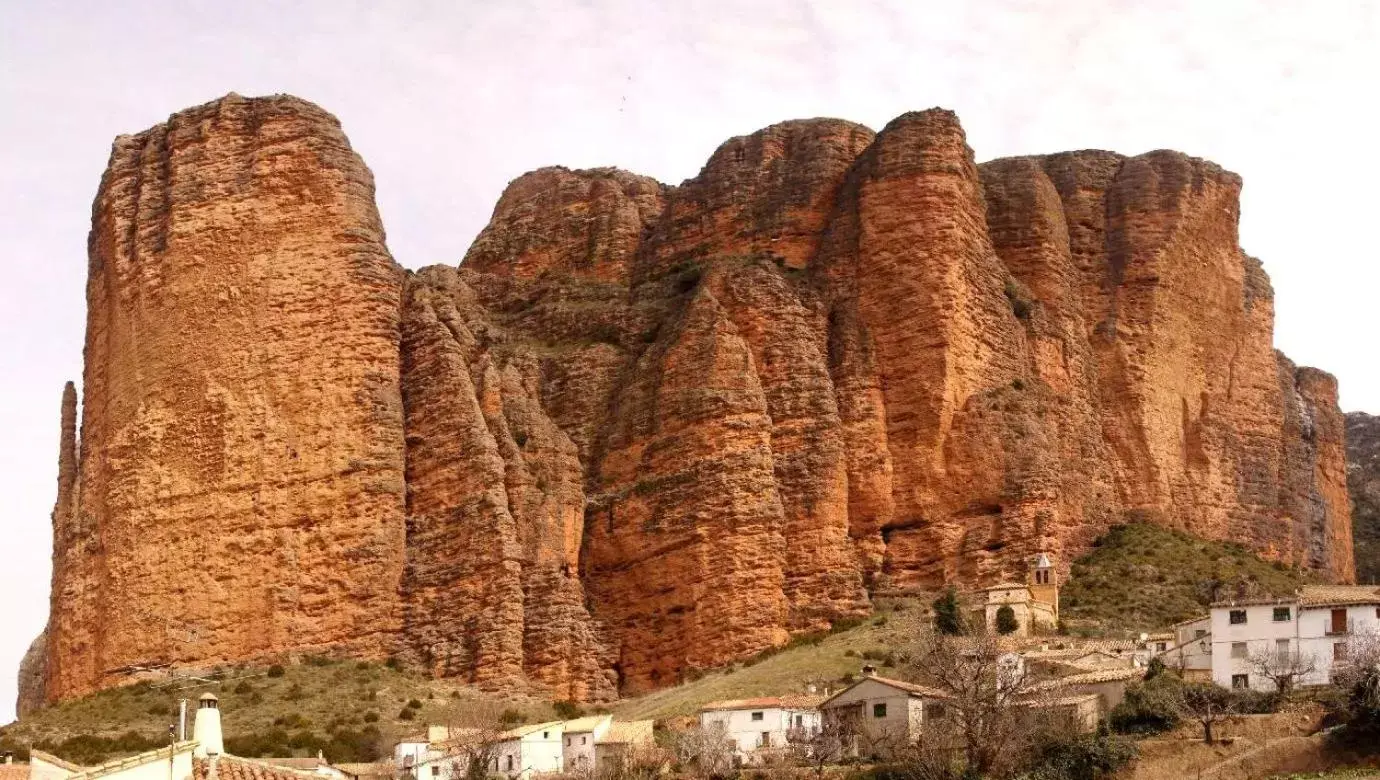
1338 622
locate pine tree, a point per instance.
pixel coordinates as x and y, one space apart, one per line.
948 614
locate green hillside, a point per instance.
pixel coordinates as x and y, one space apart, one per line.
1141 577
351 711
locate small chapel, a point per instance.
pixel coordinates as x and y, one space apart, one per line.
1034 605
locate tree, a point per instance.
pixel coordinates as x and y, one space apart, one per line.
948 613
703 753
1284 669
1357 679
1208 704
816 749
982 695
634 762
1006 620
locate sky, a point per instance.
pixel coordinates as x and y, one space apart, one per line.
449 101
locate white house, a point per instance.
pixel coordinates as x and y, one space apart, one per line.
1190 649
880 708
579 753
1316 625
530 750
762 723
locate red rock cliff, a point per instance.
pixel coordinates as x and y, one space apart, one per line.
645 429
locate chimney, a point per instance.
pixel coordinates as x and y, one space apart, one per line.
206 730
9 758
869 670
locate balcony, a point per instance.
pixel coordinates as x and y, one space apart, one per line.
1340 628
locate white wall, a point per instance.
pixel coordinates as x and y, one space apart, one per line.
770 730
904 714
1306 631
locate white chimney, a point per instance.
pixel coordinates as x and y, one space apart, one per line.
206 730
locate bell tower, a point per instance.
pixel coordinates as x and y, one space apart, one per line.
1044 583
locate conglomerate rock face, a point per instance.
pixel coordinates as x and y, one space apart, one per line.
643 430
1363 483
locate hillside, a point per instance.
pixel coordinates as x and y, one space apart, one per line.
641 430
1141 577
349 710
1363 483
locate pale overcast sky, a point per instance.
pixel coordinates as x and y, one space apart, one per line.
448 101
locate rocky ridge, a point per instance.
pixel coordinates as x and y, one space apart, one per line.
641 429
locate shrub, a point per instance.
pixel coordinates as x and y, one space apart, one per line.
394 663
407 713
414 704
1150 707
371 717
244 687
1006 620
1064 756
948 613
511 717
295 693
276 670
567 710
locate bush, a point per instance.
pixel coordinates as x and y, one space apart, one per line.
371 717
295 693
414 704
1062 756
276 670
1150 707
244 688
948 613
407 713
511 717
1006 620
394 663
567 710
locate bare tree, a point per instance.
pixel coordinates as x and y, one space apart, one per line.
635 762
982 688
1285 669
1357 676
1207 703
703 753
473 738
816 749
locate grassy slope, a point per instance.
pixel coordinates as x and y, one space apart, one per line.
1143 578
310 701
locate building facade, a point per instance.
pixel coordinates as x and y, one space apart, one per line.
1309 632
762 724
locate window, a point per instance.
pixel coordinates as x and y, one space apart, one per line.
1339 651
582 740
756 716
766 739
1282 648
1199 633
436 771
1240 681
879 710
546 735
799 721
1238 649
1237 617
567 741
509 762
934 710
1161 646
1338 624
1283 614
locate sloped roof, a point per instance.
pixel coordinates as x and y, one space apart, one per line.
1191 620
307 764
233 768
1007 586
587 723
912 689
628 732
788 702
366 770
1096 676
14 772
1339 595
522 731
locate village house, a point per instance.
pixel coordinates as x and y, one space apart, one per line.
1034 605
882 710
764 723
1109 685
622 736
1314 626
530 750
1190 653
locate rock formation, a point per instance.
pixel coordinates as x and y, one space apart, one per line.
643 430
1363 483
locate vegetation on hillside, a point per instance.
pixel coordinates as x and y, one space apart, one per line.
350 711
1142 577
1363 484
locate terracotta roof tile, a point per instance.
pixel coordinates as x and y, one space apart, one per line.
629 732
797 702
14 772
233 768
1326 595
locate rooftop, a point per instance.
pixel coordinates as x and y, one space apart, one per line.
1095 676
1328 595
913 689
14 772
789 702
233 768
588 723
628 732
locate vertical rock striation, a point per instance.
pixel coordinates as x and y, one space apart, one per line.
644 430
241 468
